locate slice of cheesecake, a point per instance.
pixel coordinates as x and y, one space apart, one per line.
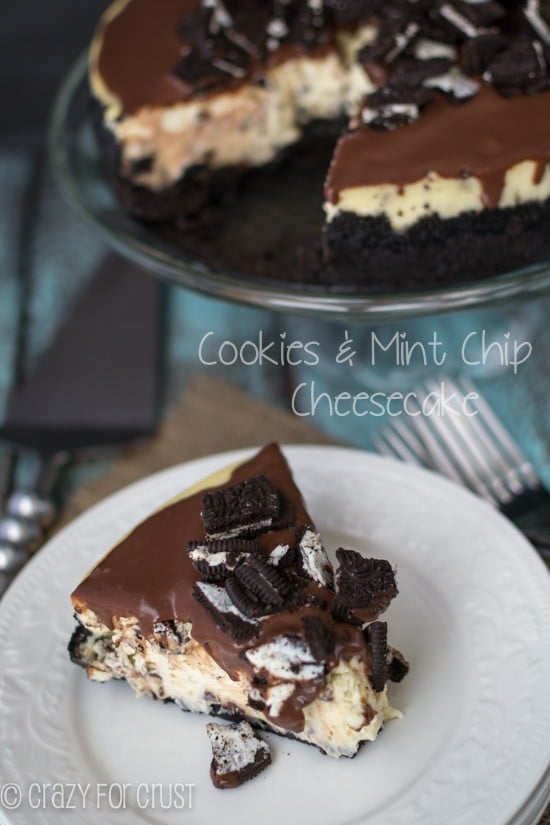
225 602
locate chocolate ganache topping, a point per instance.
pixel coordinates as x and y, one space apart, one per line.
263 586
425 49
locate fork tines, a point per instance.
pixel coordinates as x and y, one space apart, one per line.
467 443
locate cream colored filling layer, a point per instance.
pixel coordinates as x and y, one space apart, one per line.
436 195
347 712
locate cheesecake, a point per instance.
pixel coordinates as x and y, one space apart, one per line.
225 602
445 168
437 112
196 93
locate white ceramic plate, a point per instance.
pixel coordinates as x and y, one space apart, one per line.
473 616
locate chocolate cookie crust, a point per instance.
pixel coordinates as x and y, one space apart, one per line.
367 253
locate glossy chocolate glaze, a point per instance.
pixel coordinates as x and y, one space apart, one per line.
483 137
149 576
140 48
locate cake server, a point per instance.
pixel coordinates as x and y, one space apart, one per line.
96 386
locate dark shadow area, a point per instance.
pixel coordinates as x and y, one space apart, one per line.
38 43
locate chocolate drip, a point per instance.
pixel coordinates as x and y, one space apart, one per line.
483 138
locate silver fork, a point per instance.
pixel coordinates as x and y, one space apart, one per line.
471 446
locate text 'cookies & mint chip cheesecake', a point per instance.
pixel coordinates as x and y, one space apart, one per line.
225 602
441 110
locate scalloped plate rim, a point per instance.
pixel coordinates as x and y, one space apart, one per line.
540 786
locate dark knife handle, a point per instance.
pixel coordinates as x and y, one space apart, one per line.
28 514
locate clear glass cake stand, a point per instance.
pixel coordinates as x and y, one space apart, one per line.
77 163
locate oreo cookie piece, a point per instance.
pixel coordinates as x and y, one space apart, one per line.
244 509
78 644
313 600
361 581
277 31
315 562
307 22
426 49
215 559
377 640
397 666
393 106
222 38
478 52
288 658
270 585
247 25
537 14
227 616
410 72
208 57
238 754
521 68
200 72
454 20
282 556
319 637
340 612
481 14
394 38
390 116
351 12
293 21
244 599
171 635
